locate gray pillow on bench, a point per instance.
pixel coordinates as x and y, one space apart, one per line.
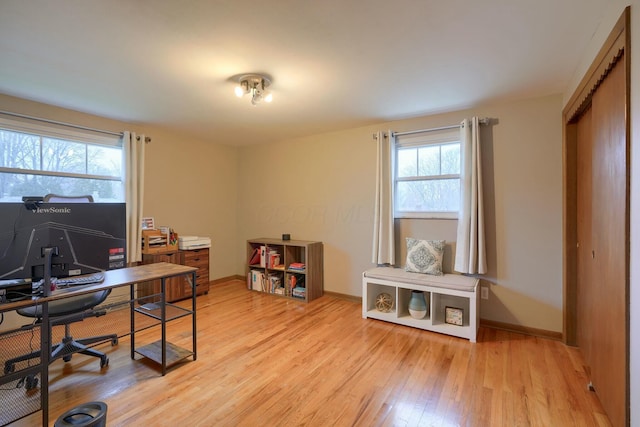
424 256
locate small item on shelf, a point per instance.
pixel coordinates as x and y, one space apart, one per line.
193 242
291 283
254 259
273 260
296 266
453 315
417 305
275 282
163 240
299 292
147 223
384 302
173 237
263 256
257 280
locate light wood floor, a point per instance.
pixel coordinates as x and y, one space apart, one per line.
264 360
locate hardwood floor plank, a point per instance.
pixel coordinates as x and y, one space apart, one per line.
264 360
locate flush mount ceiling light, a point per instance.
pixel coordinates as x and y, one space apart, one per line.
256 85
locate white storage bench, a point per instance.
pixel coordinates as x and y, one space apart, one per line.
450 290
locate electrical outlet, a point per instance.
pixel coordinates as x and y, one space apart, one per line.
484 292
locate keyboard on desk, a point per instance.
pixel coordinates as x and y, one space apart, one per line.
85 279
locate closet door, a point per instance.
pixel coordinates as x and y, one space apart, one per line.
602 303
585 298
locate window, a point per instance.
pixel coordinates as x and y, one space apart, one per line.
37 159
427 175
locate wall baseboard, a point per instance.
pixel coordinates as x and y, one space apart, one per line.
343 296
227 279
543 333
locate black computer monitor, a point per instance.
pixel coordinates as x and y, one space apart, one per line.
83 238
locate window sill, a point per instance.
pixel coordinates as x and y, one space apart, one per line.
426 215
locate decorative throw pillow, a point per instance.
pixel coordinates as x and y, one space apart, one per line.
424 256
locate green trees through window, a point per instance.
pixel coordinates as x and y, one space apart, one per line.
34 165
428 178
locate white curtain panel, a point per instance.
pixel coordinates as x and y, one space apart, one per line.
383 235
470 246
133 148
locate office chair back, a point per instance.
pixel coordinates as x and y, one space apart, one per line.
54 198
66 306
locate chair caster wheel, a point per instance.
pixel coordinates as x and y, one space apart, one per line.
104 361
114 342
31 382
66 358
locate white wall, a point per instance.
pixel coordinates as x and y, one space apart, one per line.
191 186
322 188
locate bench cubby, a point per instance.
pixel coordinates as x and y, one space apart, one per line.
449 290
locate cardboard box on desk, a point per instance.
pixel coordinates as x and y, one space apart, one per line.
158 242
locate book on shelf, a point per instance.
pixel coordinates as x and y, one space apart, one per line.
290 283
273 259
299 292
300 266
254 259
263 256
257 280
275 282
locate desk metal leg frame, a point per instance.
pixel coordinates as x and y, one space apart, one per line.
162 317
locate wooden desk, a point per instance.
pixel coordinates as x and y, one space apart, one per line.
160 351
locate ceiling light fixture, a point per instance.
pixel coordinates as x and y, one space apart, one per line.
256 85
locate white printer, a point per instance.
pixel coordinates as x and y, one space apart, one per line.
193 242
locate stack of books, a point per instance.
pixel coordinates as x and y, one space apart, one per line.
297 266
299 292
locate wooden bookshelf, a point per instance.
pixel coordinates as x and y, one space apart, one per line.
287 268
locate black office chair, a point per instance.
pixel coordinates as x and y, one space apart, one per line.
66 311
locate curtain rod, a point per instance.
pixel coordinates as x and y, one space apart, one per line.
55 122
483 121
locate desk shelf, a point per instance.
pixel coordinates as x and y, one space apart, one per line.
174 354
172 312
150 306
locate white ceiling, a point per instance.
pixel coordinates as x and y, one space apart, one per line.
335 64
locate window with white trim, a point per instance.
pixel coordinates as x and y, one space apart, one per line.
38 159
427 175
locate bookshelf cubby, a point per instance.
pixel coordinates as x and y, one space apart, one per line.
287 268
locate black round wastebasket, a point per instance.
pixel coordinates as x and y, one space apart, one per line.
92 414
